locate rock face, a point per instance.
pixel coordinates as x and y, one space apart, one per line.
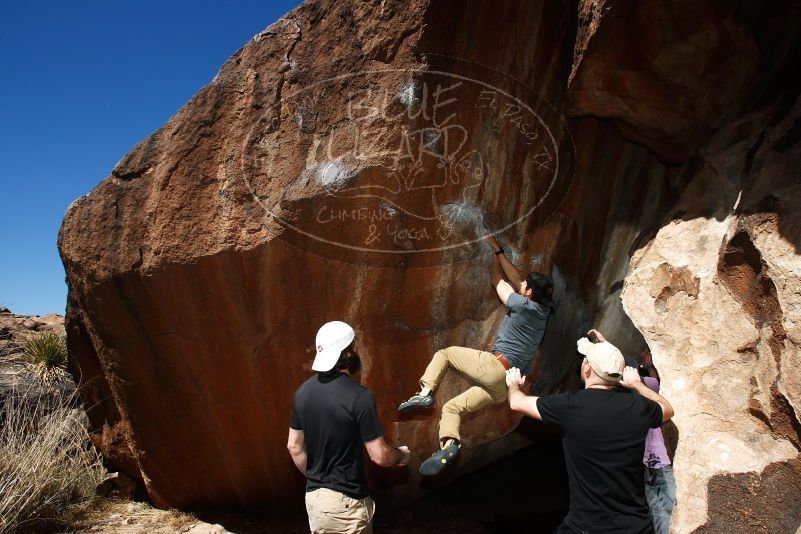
716 295
670 86
345 163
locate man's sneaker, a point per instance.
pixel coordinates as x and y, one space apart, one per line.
417 401
439 460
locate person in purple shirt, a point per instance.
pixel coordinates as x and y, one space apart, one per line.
660 486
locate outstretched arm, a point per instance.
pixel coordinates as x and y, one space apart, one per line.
502 287
507 267
519 401
296 445
496 275
631 380
386 456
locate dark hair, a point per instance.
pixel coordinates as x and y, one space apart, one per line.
541 287
348 360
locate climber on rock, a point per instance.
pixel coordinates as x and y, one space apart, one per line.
528 304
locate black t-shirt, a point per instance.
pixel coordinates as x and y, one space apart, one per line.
603 437
336 416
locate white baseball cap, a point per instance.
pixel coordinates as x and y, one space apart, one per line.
332 339
605 359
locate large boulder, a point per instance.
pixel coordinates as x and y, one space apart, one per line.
345 164
715 293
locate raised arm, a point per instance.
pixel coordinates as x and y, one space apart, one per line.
502 287
296 445
631 379
507 267
519 401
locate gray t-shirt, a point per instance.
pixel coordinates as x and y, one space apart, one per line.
521 331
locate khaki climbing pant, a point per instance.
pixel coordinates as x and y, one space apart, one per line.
478 366
334 512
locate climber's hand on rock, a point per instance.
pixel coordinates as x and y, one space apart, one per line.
513 377
631 377
492 242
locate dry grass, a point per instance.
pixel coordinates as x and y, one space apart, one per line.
46 459
121 516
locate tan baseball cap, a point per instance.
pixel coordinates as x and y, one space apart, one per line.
605 359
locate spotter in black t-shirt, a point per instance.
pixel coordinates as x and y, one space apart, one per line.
336 416
603 437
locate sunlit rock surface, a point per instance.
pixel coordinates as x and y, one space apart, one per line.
345 163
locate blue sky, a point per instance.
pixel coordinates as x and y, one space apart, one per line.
80 84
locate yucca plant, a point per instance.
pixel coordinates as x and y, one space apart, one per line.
47 356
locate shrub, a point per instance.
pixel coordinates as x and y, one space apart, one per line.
46 459
47 355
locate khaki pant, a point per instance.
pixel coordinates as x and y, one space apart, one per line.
478 366
335 513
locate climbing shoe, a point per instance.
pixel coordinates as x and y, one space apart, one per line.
439 460
417 401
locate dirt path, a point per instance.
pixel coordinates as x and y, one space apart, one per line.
127 517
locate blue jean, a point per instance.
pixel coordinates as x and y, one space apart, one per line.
660 491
